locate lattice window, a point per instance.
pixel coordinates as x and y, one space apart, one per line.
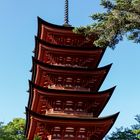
69 133
69 129
69 80
57 128
61 58
81 137
56 135
40 129
80 107
69 103
82 130
58 105
81 134
80 104
78 80
58 102
68 59
69 136
69 106
60 79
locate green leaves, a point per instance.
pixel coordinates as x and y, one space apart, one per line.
107 4
122 18
14 130
121 133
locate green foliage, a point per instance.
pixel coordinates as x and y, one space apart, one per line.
136 127
121 18
132 133
122 134
14 130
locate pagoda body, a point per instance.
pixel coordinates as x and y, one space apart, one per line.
64 97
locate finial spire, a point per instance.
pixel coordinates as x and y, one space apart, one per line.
66 16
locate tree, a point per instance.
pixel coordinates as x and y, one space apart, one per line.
14 130
121 18
136 127
1 131
121 133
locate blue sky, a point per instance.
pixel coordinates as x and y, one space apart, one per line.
18 25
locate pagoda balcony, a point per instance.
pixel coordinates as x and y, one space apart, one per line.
72 115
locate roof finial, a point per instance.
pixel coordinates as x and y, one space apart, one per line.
66 16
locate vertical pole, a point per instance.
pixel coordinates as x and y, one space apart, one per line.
66 13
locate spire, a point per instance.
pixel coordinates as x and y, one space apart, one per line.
66 14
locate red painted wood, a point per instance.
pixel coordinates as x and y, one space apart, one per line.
64 97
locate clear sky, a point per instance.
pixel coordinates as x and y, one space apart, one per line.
18 25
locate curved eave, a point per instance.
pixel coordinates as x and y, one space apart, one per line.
43 22
88 71
87 120
58 29
74 50
52 27
103 71
55 46
107 92
52 92
69 121
70 69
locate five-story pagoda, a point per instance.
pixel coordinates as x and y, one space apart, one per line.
64 97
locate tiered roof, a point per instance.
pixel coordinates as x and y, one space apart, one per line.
64 97
61 55
67 77
91 103
68 128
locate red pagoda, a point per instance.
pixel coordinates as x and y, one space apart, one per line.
64 97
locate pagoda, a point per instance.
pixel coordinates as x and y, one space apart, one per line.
64 97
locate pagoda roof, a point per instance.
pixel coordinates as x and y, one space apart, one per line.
99 99
100 125
98 73
70 92
72 70
46 51
54 33
52 46
51 25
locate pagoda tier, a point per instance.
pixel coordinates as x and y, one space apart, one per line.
65 56
68 78
65 103
67 128
61 35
